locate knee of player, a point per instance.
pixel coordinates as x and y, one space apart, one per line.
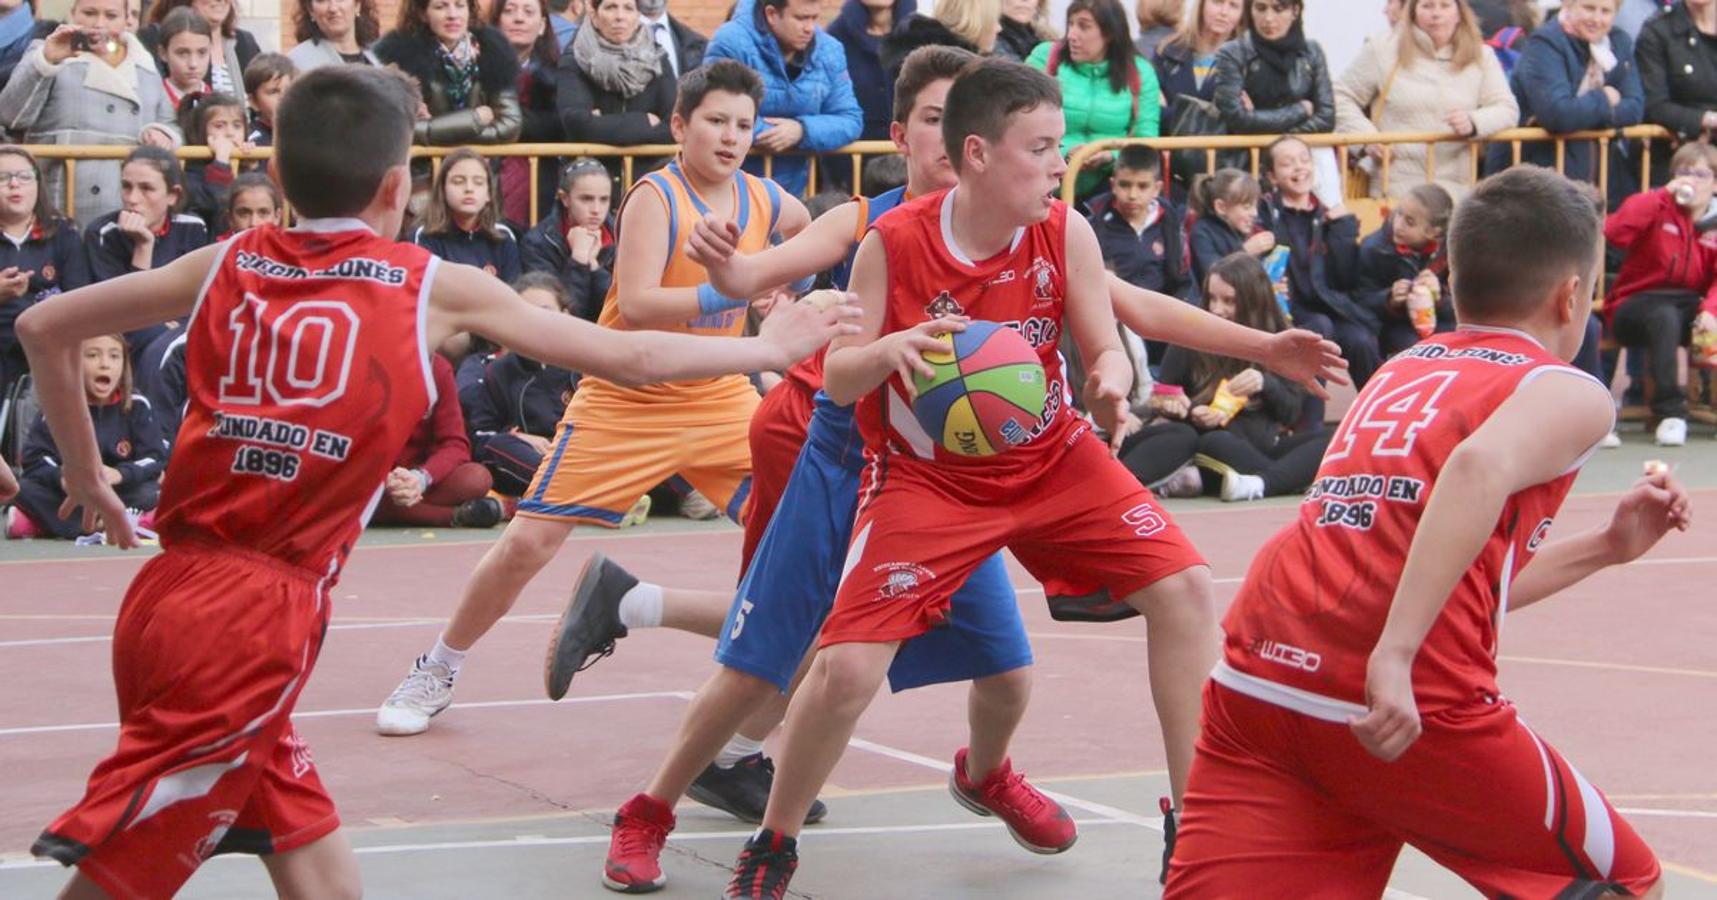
846 681
1012 686
733 685
531 542
1184 601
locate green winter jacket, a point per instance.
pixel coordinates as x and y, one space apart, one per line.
1095 111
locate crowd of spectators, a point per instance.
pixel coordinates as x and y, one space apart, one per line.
1277 249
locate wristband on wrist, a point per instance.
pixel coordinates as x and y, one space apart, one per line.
804 284
712 301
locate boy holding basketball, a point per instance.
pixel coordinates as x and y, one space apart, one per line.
616 442
1356 707
995 247
308 353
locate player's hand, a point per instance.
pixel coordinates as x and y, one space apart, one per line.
903 351
771 300
714 244
1304 357
1261 243
13 283
1107 403
112 475
1391 721
1247 383
1655 504
134 226
801 329
102 508
8 483
1206 418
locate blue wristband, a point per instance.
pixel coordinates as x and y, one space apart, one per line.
804 284
712 301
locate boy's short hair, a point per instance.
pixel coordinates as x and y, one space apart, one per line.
340 129
1138 158
546 282
729 76
265 67
1438 205
1692 154
824 201
986 96
1518 235
883 174
924 67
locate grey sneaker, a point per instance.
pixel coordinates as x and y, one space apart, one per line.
696 506
426 690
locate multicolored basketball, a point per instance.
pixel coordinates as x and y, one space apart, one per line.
987 394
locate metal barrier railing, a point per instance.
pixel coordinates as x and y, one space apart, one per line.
857 152
1344 144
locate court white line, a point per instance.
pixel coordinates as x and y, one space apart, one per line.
1668 813
370 711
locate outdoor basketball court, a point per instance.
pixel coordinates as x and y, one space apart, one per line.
509 795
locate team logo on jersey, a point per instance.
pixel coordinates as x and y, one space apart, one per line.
902 580
123 448
302 761
1006 277
1042 278
1538 536
205 847
48 272
944 305
1157 247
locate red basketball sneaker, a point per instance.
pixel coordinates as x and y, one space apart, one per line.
634 851
1036 822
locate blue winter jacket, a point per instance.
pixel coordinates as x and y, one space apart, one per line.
872 83
1546 81
821 98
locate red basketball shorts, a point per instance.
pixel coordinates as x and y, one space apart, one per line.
777 435
210 652
1083 526
1282 799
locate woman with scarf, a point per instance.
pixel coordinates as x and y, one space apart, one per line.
1271 80
1576 73
611 85
469 79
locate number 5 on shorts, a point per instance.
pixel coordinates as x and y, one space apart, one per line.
739 620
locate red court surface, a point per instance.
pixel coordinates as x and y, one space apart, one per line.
507 793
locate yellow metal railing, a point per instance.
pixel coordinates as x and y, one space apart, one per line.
1344 144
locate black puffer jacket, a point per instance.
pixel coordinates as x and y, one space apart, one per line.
496 87
1678 69
1239 68
917 31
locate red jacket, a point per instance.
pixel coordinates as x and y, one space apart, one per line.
439 444
1664 252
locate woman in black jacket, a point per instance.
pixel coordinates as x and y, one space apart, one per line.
1677 58
469 79
40 249
613 86
1271 80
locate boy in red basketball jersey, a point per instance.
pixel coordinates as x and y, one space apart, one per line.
308 353
1356 707
994 247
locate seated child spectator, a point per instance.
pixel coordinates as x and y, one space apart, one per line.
434 482
575 241
39 251
215 121
146 232
265 82
1404 264
1226 204
1138 228
132 453
253 200
1323 255
512 404
1253 445
1667 286
186 44
462 222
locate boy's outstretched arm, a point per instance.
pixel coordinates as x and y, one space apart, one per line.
820 246
52 332
1545 429
1298 355
1654 505
860 362
468 299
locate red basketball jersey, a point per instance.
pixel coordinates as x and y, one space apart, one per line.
1022 287
308 369
1315 599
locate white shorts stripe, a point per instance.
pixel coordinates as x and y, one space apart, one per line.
1600 843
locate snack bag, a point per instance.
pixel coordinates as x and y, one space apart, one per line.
1276 266
1225 403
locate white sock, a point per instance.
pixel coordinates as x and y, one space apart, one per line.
738 748
445 655
641 607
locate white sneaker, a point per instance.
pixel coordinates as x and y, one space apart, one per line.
426 690
1237 487
698 507
1611 441
1185 482
1672 432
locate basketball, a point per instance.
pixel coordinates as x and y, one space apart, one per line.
987 394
